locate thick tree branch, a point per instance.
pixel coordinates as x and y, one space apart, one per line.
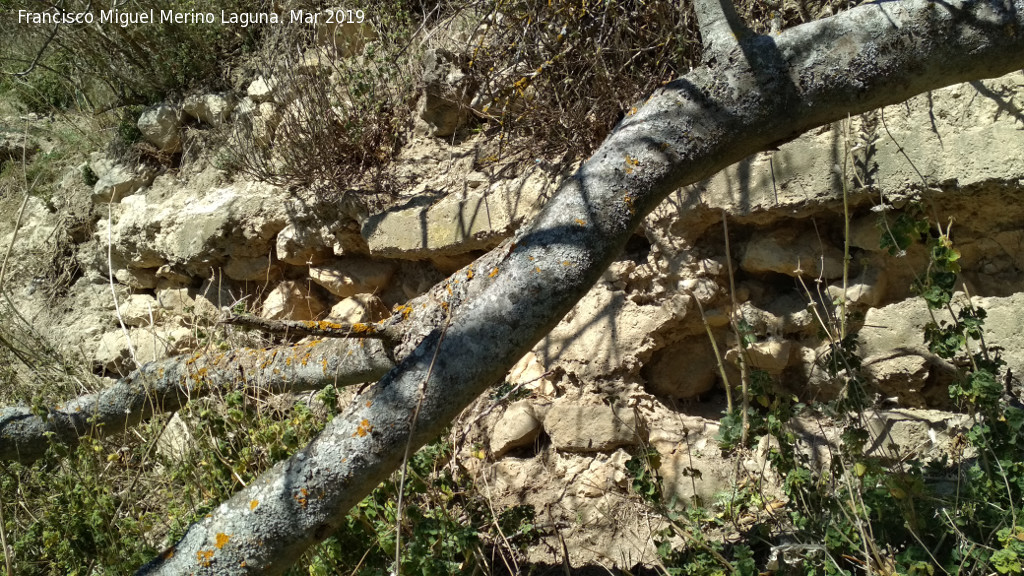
721 28
389 331
870 56
167 385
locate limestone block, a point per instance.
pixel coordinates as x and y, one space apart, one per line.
902 377
176 301
927 433
175 442
445 105
771 355
529 372
137 278
692 475
301 246
604 334
518 427
792 253
705 290
359 308
141 310
604 475
292 300
172 277
262 90
968 141
119 181
198 227
212 109
350 276
259 269
161 127
470 219
897 330
591 428
114 354
868 289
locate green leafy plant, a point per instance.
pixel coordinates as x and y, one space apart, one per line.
643 469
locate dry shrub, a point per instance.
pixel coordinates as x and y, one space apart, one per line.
336 117
555 77
563 73
102 66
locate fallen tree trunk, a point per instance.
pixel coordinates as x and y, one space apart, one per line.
752 93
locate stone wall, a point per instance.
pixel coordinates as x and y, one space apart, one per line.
632 364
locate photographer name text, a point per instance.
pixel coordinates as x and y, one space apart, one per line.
243 19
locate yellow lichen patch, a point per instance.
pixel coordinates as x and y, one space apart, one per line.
632 111
405 310
493 273
323 325
566 263
363 328
448 287
536 269
580 222
204 557
301 497
222 539
631 162
324 363
363 429
369 403
469 274
253 504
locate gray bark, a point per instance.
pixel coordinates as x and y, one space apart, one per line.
167 385
749 96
